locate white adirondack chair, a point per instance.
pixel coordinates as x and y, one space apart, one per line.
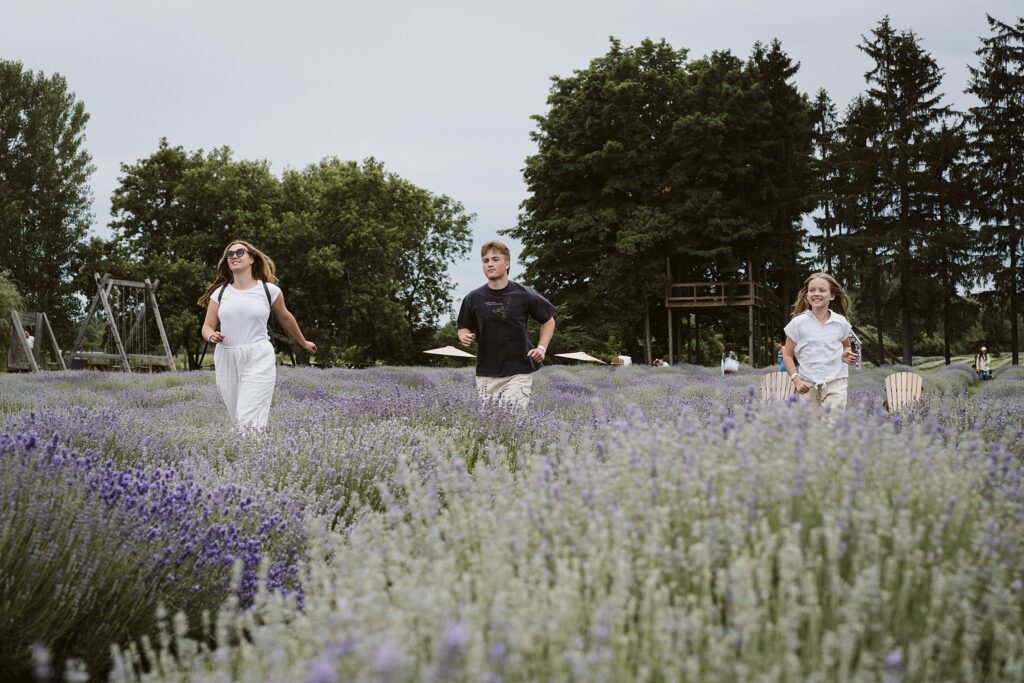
902 389
776 386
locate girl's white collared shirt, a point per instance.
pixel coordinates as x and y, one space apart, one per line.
819 348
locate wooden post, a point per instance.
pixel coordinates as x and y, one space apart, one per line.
696 338
750 333
151 294
647 333
53 341
88 317
671 358
19 330
112 326
668 270
37 329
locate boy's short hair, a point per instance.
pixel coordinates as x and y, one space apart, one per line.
495 245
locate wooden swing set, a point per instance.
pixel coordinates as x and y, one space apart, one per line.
125 305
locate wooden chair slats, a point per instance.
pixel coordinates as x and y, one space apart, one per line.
776 386
903 389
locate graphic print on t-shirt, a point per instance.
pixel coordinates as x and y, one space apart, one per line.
499 309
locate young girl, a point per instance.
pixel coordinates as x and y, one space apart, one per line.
238 304
819 336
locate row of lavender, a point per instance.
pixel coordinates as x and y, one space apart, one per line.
639 522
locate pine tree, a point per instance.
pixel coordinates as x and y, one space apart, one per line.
904 83
827 180
864 254
997 145
950 244
787 150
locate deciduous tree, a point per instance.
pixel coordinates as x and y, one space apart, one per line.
45 199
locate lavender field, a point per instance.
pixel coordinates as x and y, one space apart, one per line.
640 524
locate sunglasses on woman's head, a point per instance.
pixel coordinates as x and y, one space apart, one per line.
237 253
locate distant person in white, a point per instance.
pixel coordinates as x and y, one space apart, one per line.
238 306
819 337
30 341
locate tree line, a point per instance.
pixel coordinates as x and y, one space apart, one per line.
362 253
722 167
719 167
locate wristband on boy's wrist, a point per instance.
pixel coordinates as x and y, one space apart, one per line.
794 377
542 347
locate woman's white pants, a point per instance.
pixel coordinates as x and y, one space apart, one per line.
246 377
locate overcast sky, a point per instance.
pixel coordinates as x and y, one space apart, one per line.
441 91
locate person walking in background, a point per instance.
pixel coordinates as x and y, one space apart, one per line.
495 316
819 337
30 341
779 355
238 306
982 364
730 363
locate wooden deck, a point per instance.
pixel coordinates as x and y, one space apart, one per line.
711 295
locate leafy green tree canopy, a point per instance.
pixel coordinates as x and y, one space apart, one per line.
644 156
364 257
362 254
45 199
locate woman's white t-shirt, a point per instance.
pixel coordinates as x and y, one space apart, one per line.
244 313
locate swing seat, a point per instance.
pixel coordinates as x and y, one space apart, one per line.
902 389
776 386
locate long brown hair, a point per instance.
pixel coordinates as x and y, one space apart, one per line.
841 304
263 268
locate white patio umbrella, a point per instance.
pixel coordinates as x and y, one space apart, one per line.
450 351
579 355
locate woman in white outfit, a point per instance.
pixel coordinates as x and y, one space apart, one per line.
238 306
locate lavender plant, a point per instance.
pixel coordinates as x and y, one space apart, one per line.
764 546
89 550
637 524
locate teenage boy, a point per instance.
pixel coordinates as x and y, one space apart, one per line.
495 316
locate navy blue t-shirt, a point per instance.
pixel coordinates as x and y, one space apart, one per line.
498 318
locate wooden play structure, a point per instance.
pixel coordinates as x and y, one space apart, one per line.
25 357
124 305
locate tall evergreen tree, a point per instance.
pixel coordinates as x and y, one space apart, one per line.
787 148
863 255
904 82
997 137
827 180
45 199
950 244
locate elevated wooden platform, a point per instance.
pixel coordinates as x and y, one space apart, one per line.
762 304
712 295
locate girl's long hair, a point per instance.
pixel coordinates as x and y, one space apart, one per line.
263 268
841 304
